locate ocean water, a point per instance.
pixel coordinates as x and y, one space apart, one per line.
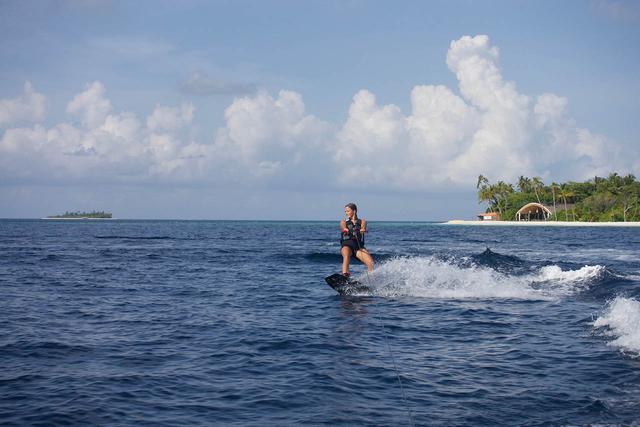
231 323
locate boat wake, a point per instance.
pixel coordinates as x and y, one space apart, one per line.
434 277
494 276
621 322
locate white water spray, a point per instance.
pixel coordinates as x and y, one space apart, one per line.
430 277
621 321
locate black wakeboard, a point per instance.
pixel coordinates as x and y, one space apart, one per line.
346 285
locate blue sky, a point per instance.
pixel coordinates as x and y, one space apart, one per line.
289 110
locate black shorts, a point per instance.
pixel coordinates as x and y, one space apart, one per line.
353 245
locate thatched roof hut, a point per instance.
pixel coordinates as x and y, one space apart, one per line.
533 212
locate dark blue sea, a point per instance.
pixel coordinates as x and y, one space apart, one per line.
186 323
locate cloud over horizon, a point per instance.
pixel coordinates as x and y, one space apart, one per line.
446 140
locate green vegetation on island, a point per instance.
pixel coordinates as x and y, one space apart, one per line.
614 198
82 215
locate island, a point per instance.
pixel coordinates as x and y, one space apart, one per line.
83 215
611 200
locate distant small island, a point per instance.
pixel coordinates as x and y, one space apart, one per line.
82 215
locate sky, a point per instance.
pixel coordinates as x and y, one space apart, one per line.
288 110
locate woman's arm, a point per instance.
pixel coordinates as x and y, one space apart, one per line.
363 226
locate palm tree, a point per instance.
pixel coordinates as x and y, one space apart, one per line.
565 193
496 202
505 191
482 181
485 194
627 194
496 192
488 193
524 184
597 181
536 184
635 191
553 193
628 179
614 182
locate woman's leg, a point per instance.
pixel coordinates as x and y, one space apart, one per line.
363 255
346 257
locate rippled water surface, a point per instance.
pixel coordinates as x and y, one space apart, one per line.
231 323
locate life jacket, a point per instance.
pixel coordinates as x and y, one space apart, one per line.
353 232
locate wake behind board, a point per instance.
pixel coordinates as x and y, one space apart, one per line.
346 285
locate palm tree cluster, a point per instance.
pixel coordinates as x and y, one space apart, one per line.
614 198
78 214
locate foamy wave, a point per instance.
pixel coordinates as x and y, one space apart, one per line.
562 283
553 272
622 320
634 277
435 278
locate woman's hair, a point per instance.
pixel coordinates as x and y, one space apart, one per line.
353 207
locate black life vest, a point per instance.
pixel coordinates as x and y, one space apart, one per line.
353 232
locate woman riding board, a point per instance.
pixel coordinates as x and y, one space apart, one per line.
352 241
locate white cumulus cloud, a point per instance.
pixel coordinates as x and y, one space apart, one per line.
500 143
170 118
29 107
91 105
449 136
105 146
446 138
266 136
577 151
490 128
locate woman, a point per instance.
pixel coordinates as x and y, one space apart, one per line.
352 241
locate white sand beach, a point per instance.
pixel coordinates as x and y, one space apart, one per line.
544 223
